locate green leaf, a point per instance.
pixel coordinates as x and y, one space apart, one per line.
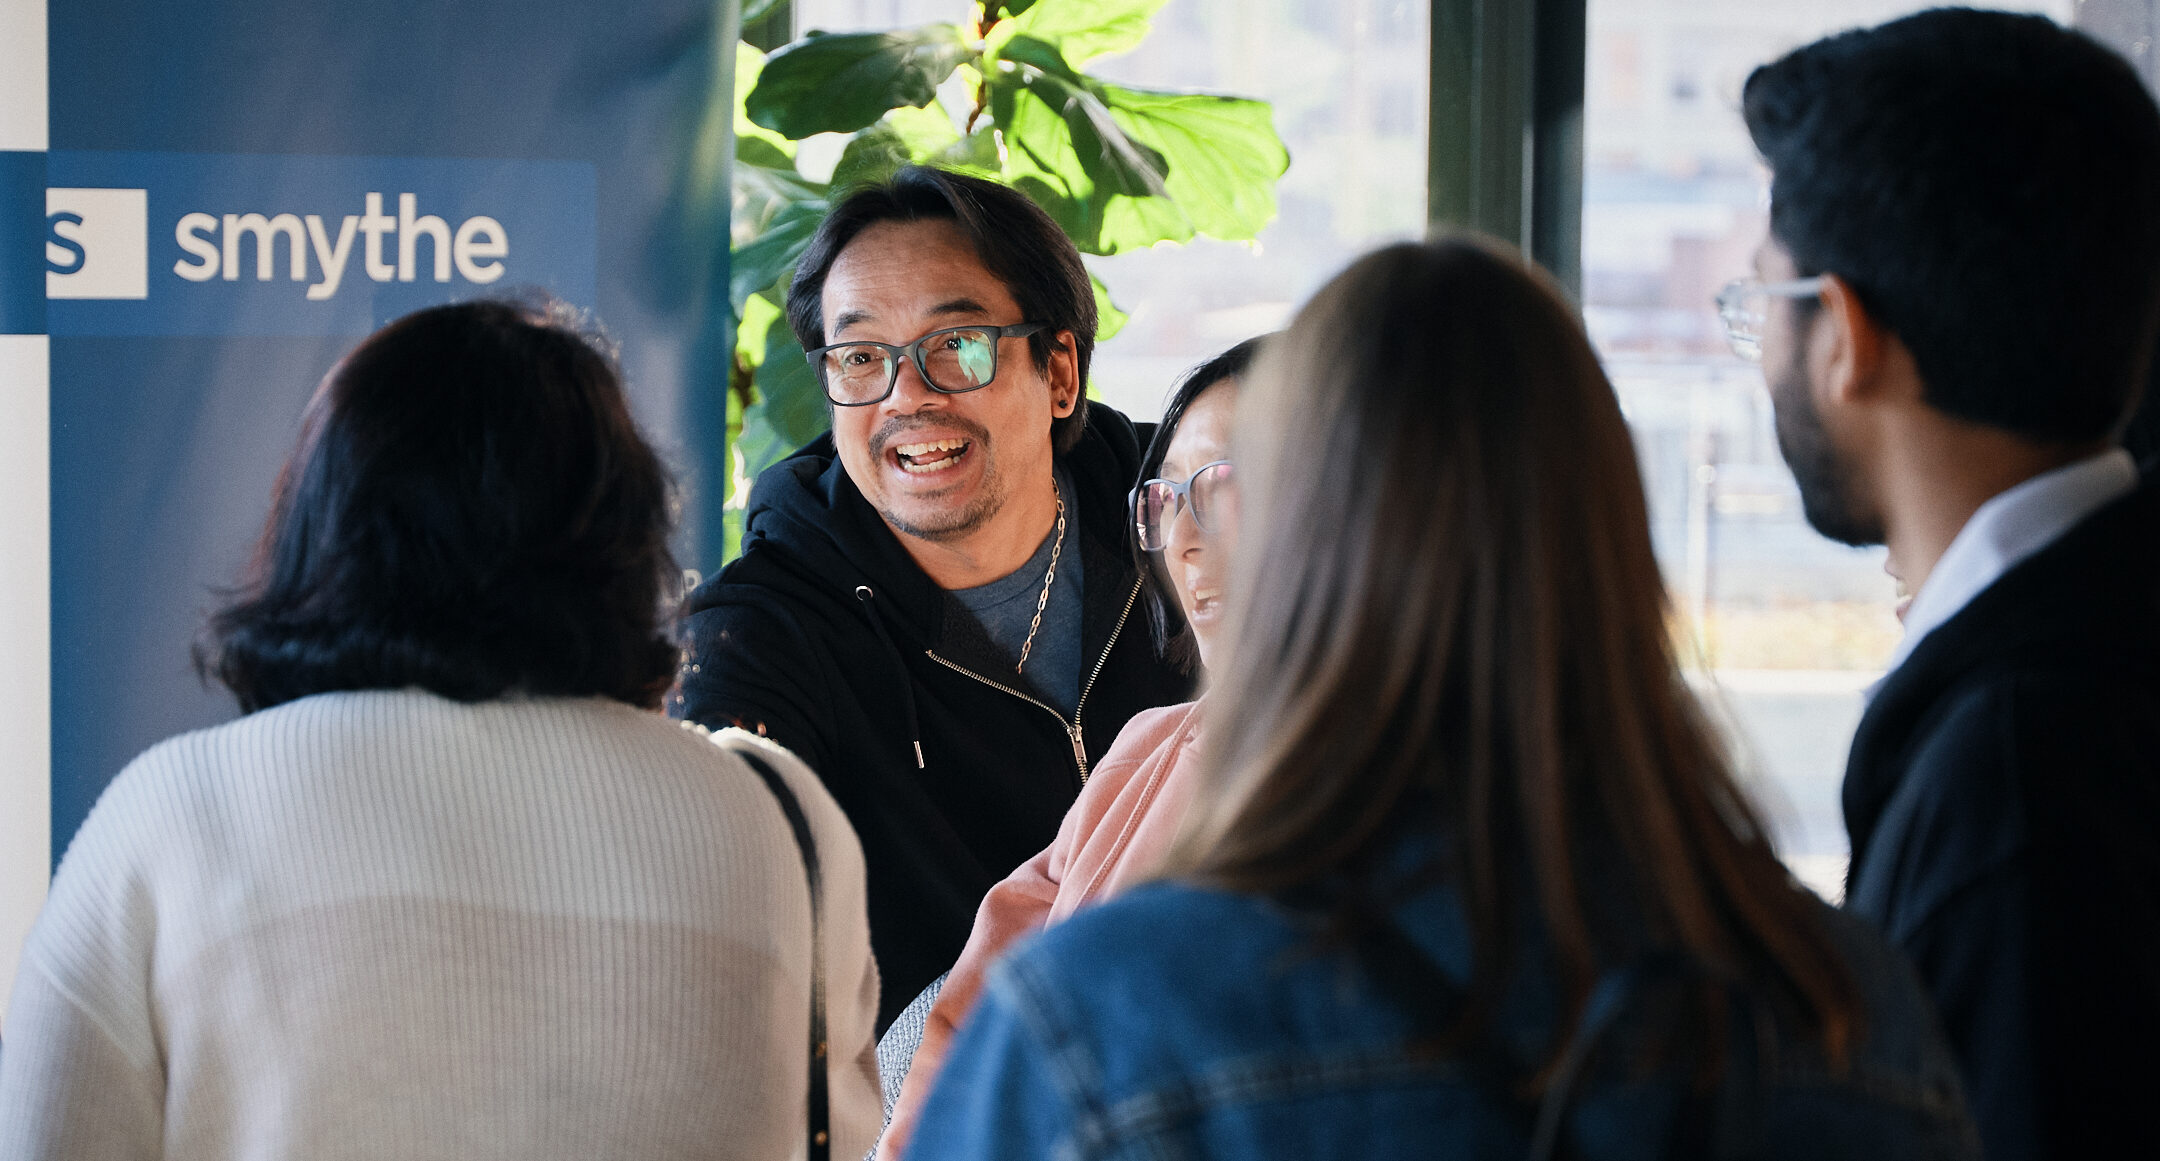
763 261
789 411
870 157
758 316
775 215
1082 30
754 143
1109 320
926 131
975 154
762 193
756 151
1064 149
1123 168
1016 7
903 137
756 10
738 492
1222 152
839 83
1038 157
1112 159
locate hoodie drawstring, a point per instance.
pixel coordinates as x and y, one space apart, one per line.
864 594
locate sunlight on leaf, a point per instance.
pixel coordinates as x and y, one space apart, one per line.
1223 155
790 409
750 136
1109 320
1082 30
905 136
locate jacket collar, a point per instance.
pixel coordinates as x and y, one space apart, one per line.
810 507
2076 603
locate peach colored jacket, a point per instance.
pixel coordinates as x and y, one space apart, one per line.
1123 821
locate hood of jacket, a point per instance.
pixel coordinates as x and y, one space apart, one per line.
808 507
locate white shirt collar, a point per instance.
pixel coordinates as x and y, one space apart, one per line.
2008 528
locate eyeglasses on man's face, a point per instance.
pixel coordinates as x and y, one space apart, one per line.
952 360
1211 494
1745 303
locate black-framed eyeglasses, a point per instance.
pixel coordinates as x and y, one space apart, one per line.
952 360
1211 494
1744 305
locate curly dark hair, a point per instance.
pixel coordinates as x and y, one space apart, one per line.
471 510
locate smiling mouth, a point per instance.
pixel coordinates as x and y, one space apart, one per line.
933 456
1206 601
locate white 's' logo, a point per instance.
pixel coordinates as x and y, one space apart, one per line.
97 243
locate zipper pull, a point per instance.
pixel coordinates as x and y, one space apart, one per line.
1079 753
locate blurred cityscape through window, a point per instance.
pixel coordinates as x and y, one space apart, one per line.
1786 630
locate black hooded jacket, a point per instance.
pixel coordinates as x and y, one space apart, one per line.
2004 803
825 636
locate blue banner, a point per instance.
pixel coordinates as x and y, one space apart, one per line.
233 191
208 244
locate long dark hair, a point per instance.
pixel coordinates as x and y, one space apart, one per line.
471 510
1173 638
1451 620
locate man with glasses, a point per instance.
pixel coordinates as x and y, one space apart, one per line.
1954 311
935 603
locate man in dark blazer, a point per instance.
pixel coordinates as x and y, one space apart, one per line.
1954 309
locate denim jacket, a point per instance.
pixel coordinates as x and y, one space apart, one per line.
1185 1022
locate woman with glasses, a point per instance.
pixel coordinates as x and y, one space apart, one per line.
451 887
1467 874
1130 809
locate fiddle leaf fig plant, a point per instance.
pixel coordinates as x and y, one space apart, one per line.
1117 168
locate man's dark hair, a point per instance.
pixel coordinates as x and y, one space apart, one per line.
1173 637
1015 240
1989 185
471 510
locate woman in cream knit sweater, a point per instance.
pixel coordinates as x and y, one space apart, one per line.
449 889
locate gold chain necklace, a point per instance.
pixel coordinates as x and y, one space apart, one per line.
1042 602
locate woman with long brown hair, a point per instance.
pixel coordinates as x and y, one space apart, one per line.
1467 870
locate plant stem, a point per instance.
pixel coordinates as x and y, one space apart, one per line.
987 18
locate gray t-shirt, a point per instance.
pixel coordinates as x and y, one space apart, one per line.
1003 609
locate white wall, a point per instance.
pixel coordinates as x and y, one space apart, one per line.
25 541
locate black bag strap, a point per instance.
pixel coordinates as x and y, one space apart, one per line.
820 1097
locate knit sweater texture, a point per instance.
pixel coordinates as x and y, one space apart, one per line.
384 924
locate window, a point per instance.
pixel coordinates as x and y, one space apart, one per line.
1347 82
1789 628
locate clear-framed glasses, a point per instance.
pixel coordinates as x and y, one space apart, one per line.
1745 303
1211 494
952 360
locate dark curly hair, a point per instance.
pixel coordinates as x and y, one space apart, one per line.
470 510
